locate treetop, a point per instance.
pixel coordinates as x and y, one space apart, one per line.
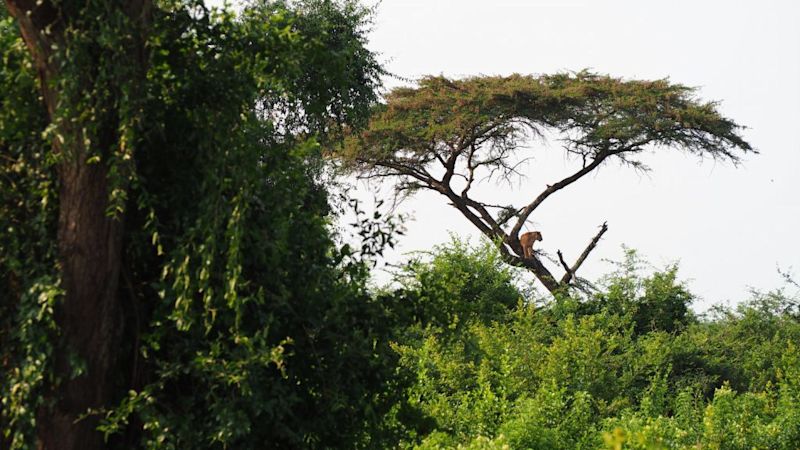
594 113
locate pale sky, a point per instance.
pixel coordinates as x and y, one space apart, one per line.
729 227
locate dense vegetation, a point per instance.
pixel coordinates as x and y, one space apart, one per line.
629 367
171 273
202 301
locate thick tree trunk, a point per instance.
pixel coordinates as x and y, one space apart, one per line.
90 315
90 245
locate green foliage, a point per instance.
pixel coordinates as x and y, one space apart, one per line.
245 326
286 345
458 285
28 281
551 419
655 303
627 368
332 55
598 116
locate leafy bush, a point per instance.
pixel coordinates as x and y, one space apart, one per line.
629 367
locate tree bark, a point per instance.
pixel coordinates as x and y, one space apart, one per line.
89 315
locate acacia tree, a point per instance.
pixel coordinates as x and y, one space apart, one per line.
446 135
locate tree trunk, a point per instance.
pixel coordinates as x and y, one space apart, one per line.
89 316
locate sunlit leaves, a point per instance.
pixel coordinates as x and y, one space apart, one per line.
572 374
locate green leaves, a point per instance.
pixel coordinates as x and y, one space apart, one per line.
593 373
459 285
593 113
206 124
29 284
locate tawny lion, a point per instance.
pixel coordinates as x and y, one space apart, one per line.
527 240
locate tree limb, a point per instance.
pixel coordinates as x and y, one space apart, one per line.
534 265
471 170
402 169
487 217
564 263
450 166
565 280
527 210
461 205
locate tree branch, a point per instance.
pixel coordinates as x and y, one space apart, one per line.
404 170
534 265
564 263
40 28
461 205
565 280
471 170
527 210
487 217
450 167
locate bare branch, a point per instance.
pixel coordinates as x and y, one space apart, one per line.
440 159
471 170
460 204
450 166
571 270
564 263
491 205
487 217
510 216
527 210
404 170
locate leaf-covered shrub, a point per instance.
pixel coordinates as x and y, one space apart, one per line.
628 367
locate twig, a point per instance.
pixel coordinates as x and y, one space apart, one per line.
564 264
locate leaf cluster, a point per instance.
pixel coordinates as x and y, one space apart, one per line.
28 280
598 373
593 114
243 323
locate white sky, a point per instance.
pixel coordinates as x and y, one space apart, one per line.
729 228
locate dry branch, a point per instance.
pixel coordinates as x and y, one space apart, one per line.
571 270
